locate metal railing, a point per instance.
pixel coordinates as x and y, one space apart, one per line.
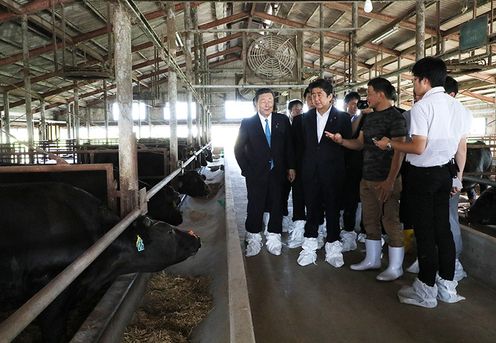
19 320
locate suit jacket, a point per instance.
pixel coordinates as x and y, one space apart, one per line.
252 150
324 156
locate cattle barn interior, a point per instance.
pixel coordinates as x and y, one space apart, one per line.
115 96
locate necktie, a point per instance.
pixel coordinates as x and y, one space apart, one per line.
267 131
267 136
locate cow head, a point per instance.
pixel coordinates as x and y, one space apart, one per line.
192 184
482 211
157 245
164 206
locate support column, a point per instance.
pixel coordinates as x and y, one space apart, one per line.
105 110
189 67
354 46
196 49
420 30
321 40
88 122
128 168
77 119
172 84
42 127
27 83
6 116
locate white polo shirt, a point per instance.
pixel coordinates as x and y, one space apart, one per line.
444 121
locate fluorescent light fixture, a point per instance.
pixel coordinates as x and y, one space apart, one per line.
179 41
368 6
385 35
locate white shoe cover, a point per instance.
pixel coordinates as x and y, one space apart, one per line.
273 243
361 237
395 267
334 254
446 290
296 237
308 254
459 272
372 256
253 244
287 224
348 238
414 268
418 294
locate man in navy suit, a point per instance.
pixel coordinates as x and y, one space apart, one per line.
323 173
264 152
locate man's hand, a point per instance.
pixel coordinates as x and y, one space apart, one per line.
335 137
456 186
382 143
385 189
291 175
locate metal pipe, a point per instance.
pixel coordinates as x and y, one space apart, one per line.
282 29
105 110
42 127
189 68
172 85
251 86
27 82
6 116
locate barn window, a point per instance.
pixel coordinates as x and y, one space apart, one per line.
181 110
239 109
138 110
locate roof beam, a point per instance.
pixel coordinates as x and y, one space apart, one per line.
30 8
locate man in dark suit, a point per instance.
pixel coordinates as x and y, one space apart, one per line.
323 173
264 153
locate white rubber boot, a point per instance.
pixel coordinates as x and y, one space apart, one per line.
308 254
395 267
287 224
446 290
321 238
372 256
419 294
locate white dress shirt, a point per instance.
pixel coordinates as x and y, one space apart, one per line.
262 120
444 121
321 122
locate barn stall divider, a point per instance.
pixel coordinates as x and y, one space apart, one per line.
20 319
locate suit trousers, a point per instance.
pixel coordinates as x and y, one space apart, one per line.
376 212
323 193
455 223
264 196
428 198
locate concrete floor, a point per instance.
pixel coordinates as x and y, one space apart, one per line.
320 303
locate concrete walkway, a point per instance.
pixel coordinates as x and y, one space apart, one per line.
320 303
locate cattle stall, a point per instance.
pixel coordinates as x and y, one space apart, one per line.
13 325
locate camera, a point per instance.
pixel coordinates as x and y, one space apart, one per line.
362 104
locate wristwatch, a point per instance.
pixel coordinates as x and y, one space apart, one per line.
389 146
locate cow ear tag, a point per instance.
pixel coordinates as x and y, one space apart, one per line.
140 246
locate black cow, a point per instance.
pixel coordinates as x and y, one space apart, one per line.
49 225
164 206
483 211
191 183
479 160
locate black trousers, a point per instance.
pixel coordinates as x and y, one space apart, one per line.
324 191
428 205
264 196
351 198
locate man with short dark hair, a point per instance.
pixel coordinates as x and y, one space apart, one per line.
323 173
380 187
264 153
439 124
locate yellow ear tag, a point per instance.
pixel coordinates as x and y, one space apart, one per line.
140 246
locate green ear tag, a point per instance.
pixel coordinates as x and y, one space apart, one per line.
140 246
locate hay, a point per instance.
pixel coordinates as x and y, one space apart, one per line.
172 307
